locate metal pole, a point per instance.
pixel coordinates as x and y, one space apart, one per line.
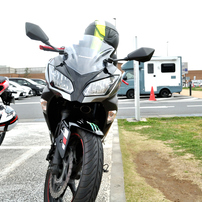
190 85
137 87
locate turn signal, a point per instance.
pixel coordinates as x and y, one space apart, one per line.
111 116
43 104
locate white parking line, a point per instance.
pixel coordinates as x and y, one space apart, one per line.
149 107
194 105
2 147
26 103
18 162
157 107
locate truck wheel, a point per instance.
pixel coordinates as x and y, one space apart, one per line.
130 94
164 93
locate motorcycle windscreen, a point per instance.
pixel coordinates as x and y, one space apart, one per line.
88 55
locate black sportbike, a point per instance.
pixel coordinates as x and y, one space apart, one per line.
79 105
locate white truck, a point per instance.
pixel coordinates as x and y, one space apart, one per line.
164 74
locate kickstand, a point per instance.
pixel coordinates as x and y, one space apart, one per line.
105 168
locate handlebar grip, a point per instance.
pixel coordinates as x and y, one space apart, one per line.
125 82
48 48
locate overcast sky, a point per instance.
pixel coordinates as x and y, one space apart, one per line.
171 27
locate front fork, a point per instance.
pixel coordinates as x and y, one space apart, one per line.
58 148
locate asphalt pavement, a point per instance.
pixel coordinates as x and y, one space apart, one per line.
23 165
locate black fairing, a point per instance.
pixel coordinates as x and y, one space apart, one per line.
95 112
76 78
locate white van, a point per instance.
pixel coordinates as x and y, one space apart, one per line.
164 74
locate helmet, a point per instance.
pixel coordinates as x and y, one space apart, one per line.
105 31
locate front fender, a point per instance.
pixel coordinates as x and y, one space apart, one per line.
86 125
64 131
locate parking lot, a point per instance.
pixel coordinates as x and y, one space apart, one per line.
23 165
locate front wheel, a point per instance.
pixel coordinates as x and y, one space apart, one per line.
34 93
83 172
2 135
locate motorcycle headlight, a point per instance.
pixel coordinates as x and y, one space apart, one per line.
59 80
99 87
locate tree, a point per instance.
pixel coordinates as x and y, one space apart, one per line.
26 75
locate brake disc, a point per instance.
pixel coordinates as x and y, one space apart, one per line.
58 185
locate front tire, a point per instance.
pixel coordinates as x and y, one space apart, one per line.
34 93
86 172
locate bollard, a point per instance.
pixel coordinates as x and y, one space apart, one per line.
190 89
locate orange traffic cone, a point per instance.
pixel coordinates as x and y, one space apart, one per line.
152 96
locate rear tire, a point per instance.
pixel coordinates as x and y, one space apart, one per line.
87 169
2 135
164 93
130 94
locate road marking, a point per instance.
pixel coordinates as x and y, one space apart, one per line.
26 103
194 105
149 107
157 107
18 162
171 99
3 147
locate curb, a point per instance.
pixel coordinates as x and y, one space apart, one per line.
117 175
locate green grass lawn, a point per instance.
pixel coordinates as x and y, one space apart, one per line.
180 137
184 135
194 88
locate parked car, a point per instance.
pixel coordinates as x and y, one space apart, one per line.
17 92
39 81
36 88
27 90
196 84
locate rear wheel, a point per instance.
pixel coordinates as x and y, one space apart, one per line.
2 135
85 167
130 94
164 93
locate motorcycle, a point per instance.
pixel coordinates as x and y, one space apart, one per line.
8 116
79 104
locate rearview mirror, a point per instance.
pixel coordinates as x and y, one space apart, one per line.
36 33
141 54
125 77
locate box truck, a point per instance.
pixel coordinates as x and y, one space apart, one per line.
164 74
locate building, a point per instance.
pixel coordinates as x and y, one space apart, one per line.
194 75
39 72
33 72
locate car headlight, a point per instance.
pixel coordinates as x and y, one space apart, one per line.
60 81
99 87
